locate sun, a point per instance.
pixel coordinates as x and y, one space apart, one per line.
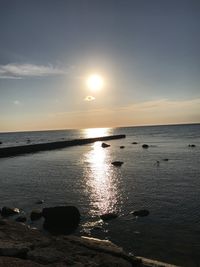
95 82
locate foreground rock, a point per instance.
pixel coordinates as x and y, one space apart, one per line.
61 219
23 246
35 215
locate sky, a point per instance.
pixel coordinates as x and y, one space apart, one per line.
146 52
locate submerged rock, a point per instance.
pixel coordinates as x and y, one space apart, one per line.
122 147
7 211
36 215
108 216
117 163
134 143
61 219
1 143
145 146
105 145
140 213
39 201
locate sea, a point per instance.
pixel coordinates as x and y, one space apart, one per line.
164 179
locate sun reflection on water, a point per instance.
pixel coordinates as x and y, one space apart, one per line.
96 132
101 181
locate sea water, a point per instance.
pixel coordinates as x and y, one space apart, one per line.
84 176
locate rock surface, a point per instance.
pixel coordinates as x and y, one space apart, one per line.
7 211
21 246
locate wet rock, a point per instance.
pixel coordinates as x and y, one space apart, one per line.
140 213
61 219
145 146
122 147
28 141
104 145
192 145
134 143
108 216
21 219
39 201
45 255
117 163
7 211
36 215
1 143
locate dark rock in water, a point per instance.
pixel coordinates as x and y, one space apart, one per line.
61 219
140 213
104 145
1 143
28 140
21 219
36 215
39 202
117 163
166 159
145 146
122 147
7 211
192 145
108 216
134 143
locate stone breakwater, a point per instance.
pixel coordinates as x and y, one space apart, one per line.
22 246
32 148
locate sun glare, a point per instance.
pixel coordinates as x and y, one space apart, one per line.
95 82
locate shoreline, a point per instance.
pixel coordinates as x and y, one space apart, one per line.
33 148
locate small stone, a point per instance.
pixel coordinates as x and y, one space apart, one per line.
108 216
134 143
104 145
192 145
140 213
117 163
166 159
122 147
145 146
36 215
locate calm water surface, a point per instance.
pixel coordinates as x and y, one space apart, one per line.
84 176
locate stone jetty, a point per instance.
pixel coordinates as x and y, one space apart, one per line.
32 148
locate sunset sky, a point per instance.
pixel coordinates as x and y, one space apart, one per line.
145 53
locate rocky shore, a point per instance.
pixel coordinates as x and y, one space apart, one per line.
23 246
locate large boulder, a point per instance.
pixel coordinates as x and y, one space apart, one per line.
7 211
61 219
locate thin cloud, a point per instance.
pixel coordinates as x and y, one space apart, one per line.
89 98
19 71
